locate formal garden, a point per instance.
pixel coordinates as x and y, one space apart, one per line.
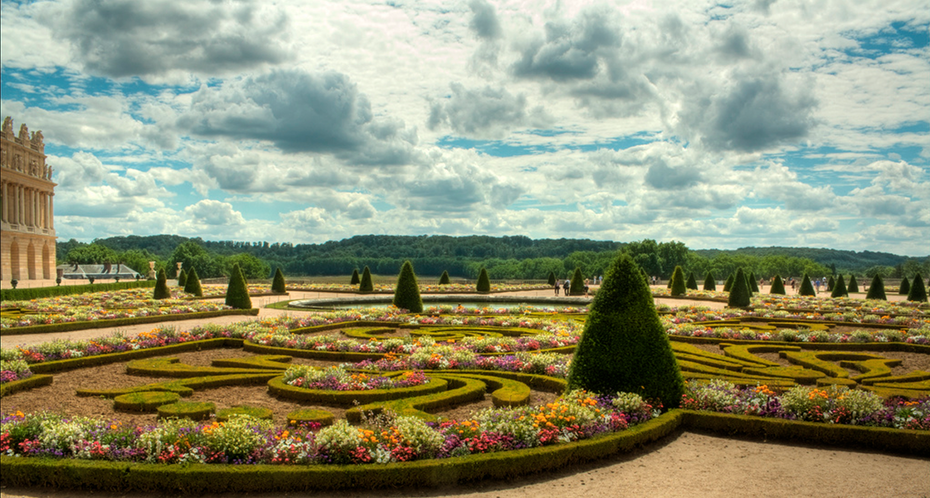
421 394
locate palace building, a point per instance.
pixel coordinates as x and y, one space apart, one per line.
27 228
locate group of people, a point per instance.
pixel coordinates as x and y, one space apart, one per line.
566 286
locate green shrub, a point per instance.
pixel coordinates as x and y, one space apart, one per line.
255 412
877 289
677 283
577 285
728 284
484 283
917 292
692 282
853 285
192 286
355 279
551 280
778 287
753 283
147 401
182 278
739 293
407 290
161 286
308 415
278 285
194 410
710 282
905 287
839 287
366 285
237 293
831 283
624 347
444 278
70 290
807 288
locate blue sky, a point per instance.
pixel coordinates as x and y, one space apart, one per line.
756 123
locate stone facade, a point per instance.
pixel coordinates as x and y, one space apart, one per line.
27 228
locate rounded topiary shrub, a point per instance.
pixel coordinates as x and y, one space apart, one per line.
250 411
182 278
728 284
917 292
778 287
484 283
365 285
839 288
877 289
692 282
310 415
677 284
194 410
710 282
807 288
624 347
147 401
161 286
739 293
355 278
444 278
192 286
407 290
237 293
551 280
905 287
577 285
278 285
853 286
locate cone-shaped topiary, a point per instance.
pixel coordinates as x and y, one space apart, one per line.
182 278
728 284
624 347
905 287
192 286
710 282
577 285
853 286
807 288
237 293
877 289
739 293
551 280
677 282
692 283
365 285
918 291
778 287
831 283
444 278
161 286
753 283
278 285
484 283
839 288
355 279
407 290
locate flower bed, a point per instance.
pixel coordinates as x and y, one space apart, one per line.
338 379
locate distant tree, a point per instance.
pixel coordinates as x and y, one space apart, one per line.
905 288
692 283
484 283
91 254
278 285
710 282
192 286
407 290
577 285
778 287
839 288
677 282
366 285
877 289
853 285
807 288
161 286
182 278
444 278
191 255
551 280
250 266
917 292
355 279
739 293
237 293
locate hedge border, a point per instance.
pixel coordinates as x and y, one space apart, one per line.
120 322
278 387
25 384
902 347
30 293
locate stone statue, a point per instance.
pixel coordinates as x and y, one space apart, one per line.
23 133
7 125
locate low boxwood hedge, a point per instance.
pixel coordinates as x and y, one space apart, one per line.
121 322
310 415
25 384
278 387
147 401
27 294
194 410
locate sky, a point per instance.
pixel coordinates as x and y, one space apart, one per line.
800 123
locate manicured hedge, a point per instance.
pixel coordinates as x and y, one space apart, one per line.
25 384
278 387
121 322
26 294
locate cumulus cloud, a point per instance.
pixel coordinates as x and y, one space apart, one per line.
217 213
484 21
485 113
122 38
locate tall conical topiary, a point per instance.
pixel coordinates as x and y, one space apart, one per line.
551 280
710 282
753 283
877 289
728 284
778 287
161 286
577 285
192 286
278 285
692 283
624 347
407 290
237 292
677 282
917 292
905 287
365 284
839 288
484 283
853 286
444 278
182 278
739 293
807 288
355 279
831 282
